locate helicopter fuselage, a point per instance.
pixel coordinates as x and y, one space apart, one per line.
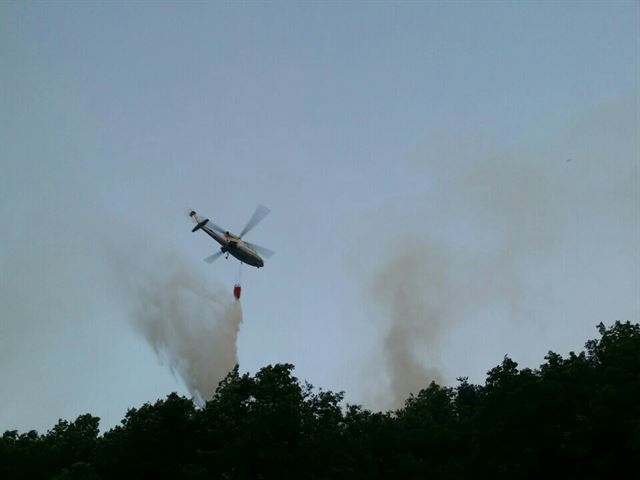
231 244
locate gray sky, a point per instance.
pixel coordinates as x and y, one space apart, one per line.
449 183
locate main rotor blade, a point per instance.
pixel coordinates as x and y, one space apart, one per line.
265 252
213 226
258 215
213 258
197 219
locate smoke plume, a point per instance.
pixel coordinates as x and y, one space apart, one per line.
408 295
192 326
525 235
422 292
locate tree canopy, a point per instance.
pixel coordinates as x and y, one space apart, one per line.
574 417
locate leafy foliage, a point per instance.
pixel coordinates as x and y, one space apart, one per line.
574 417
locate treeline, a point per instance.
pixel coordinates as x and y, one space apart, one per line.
575 417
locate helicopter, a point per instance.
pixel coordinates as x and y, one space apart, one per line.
244 251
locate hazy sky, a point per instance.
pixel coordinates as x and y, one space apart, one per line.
456 180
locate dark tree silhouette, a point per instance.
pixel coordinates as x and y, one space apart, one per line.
575 417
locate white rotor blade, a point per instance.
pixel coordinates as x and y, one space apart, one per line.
213 258
213 226
258 215
265 252
197 219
